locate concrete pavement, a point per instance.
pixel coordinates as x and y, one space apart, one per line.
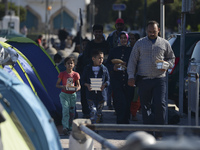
116 138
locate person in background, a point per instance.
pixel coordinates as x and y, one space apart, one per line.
135 103
133 37
62 35
151 81
137 37
97 44
80 62
69 41
68 98
45 44
57 59
79 69
122 93
77 40
24 30
113 38
96 98
39 40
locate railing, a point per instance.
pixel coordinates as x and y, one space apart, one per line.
83 132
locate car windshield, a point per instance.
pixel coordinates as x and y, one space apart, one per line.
196 53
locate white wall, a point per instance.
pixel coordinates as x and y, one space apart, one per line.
10 19
72 6
40 6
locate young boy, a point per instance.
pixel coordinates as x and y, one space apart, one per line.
96 98
68 93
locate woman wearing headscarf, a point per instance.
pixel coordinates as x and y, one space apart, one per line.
122 93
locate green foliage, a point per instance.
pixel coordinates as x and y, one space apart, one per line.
12 6
193 19
22 14
103 9
2 10
134 15
172 13
188 28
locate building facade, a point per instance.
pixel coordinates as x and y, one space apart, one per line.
52 15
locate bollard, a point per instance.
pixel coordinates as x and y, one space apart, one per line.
78 139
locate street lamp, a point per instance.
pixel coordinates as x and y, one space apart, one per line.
92 16
49 9
46 18
61 14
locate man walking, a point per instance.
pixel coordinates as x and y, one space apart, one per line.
142 70
113 38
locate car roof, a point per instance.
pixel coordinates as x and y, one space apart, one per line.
187 33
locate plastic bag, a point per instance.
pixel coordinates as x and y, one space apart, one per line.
8 56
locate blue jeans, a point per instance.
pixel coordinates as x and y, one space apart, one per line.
152 97
68 102
95 110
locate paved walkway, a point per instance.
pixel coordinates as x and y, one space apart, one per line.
116 138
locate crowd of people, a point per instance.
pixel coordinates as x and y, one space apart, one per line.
120 70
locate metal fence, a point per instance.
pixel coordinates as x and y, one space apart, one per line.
85 128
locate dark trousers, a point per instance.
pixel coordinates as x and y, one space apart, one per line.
122 100
109 99
152 97
62 44
84 103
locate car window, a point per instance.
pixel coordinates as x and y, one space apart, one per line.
189 52
172 40
196 52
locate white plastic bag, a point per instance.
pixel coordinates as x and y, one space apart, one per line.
8 56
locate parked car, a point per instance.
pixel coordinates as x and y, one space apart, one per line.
173 78
10 33
193 67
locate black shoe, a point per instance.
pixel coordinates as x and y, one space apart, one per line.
158 136
134 118
66 131
110 108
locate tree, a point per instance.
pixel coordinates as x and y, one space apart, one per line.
134 13
103 10
12 6
193 19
